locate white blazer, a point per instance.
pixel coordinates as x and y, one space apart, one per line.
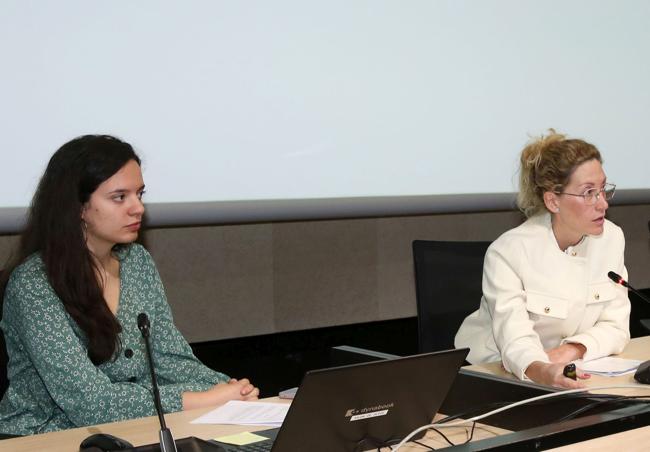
536 297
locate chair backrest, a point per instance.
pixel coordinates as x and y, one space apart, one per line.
448 287
4 358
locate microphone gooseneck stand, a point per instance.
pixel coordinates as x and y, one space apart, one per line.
167 443
642 374
618 279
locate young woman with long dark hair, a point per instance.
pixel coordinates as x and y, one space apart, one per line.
72 295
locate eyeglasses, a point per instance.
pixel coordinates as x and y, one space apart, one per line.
592 195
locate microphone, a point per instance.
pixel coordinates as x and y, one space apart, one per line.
167 443
642 374
618 279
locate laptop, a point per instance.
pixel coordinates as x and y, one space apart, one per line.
362 406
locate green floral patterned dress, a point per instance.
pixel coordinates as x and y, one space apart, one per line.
53 383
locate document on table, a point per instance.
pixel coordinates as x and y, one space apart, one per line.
609 366
246 413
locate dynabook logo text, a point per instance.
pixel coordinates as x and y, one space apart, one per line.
356 414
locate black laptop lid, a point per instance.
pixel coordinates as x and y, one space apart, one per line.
337 408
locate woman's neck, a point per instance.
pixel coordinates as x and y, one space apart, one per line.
101 251
107 269
102 254
563 237
104 261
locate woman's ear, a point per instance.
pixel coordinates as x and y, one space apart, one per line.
84 208
552 201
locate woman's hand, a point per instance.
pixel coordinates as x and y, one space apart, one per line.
566 353
551 374
220 394
247 390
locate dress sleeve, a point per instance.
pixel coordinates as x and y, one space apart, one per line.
177 368
514 335
44 331
611 333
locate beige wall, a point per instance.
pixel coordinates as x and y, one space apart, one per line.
241 280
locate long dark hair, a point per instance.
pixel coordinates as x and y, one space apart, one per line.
54 230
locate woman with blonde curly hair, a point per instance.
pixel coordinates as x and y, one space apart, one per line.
547 299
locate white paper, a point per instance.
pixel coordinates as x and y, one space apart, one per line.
609 366
246 413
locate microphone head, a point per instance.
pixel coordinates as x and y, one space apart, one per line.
143 322
618 279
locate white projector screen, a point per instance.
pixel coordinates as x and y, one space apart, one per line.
273 101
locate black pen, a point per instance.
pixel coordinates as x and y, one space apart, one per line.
570 371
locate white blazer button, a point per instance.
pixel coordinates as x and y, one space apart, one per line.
597 296
547 309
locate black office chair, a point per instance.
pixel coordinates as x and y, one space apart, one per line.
448 277
4 358
639 314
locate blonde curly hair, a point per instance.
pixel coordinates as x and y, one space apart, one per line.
546 164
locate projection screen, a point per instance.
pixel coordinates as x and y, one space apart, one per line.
259 111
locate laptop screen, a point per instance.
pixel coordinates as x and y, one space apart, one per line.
360 406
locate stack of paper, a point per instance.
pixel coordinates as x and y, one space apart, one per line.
608 366
246 413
